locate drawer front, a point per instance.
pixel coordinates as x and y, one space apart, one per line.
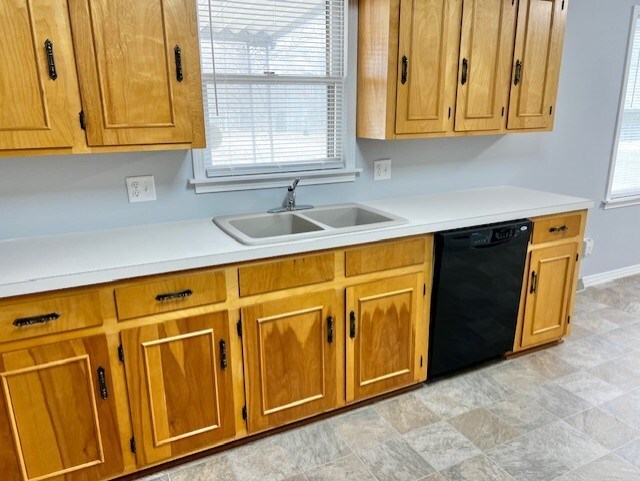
170 293
42 316
555 228
382 257
285 274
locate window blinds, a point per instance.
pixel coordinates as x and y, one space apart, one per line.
626 178
273 83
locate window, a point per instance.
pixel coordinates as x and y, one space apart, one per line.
274 91
624 178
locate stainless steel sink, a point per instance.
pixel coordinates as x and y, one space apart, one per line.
270 228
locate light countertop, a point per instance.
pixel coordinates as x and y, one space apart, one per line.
39 264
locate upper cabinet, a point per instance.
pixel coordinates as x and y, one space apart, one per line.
441 68
99 76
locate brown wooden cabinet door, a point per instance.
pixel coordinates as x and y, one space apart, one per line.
128 69
34 107
427 65
486 56
291 349
381 334
57 413
549 290
179 377
536 65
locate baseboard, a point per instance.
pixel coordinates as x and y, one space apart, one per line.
609 276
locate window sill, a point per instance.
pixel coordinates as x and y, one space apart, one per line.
270 181
623 202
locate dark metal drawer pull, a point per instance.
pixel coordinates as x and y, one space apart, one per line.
518 75
465 71
223 354
179 74
51 61
172 296
330 329
352 325
555 230
405 68
30 321
102 382
534 283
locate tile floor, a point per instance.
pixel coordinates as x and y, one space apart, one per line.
569 413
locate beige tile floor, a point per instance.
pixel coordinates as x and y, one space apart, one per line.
569 413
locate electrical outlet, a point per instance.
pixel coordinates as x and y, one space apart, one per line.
141 189
588 247
382 169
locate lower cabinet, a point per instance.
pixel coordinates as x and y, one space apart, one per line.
382 323
292 350
179 378
548 293
57 413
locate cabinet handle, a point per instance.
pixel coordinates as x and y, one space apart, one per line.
561 228
330 329
179 75
405 69
518 76
51 61
171 296
29 321
102 383
223 354
352 325
534 283
465 71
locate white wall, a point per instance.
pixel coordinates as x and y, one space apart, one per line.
49 195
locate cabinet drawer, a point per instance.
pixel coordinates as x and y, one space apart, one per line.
382 257
285 274
170 293
42 316
549 229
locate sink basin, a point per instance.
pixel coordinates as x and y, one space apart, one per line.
267 228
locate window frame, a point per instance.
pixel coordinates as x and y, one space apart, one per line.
205 183
611 202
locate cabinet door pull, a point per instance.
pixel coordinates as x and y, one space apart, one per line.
223 354
330 329
178 52
352 325
534 283
51 61
518 76
465 71
405 69
102 383
172 296
29 321
560 228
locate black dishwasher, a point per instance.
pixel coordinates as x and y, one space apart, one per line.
476 294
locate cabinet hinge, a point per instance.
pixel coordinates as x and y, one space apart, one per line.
239 327
420 361
244 412
577 257
83 122
551 110
132 444
121 353
424 289
563 2
569 320
513 2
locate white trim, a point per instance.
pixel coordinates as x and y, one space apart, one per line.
621 202
609 201
604 277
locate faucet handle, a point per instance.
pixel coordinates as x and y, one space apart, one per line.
293 186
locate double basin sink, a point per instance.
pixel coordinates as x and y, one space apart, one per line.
267 228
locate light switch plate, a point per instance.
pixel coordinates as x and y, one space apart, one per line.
141 188
382 169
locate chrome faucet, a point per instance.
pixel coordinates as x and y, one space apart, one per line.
290 201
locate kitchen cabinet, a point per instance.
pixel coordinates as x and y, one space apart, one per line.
486 53
180 382
57 413
382 322
537 58
36 75
293 348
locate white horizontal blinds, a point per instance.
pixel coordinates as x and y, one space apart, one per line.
273 74
626 179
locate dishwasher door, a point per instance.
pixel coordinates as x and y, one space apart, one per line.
476 294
